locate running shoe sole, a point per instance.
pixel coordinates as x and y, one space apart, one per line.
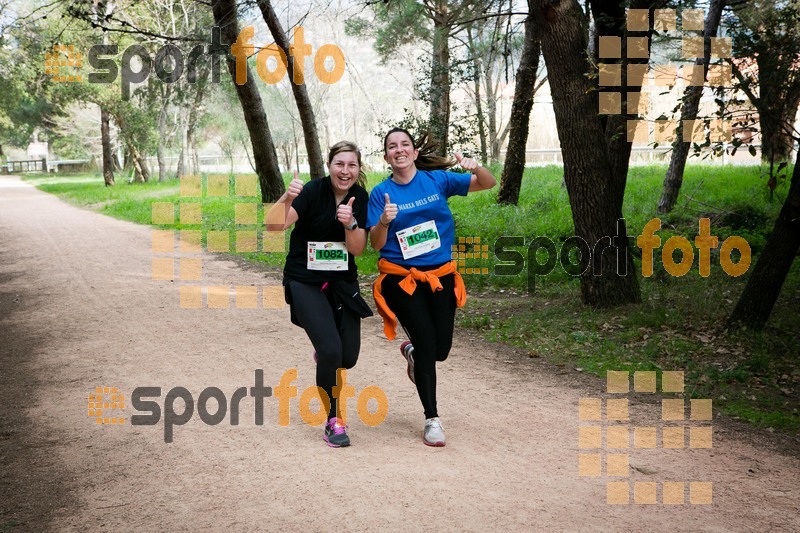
409 359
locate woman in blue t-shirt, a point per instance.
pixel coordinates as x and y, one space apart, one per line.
411 225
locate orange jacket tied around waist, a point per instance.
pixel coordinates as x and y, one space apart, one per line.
409 285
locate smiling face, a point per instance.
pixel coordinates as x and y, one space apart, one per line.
344 170
399 151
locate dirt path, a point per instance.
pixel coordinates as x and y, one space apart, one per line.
78 309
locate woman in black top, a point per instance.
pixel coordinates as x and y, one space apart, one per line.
320 277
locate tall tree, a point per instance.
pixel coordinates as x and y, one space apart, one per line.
105 139
264 154
610 20
399 22
783 244
511 179
691 104
769 33
304 106
594 196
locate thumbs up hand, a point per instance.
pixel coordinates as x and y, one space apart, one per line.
467 163
294 187
389 211
344 213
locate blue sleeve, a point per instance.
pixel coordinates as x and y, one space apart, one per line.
375 206
454 183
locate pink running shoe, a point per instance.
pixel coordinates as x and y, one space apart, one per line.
336 434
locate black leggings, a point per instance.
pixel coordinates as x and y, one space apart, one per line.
428 319
337 341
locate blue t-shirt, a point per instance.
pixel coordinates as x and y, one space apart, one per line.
423 199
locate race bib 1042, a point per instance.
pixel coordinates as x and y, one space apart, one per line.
419 239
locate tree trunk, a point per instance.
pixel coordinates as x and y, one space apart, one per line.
691 103
514 167
610 18
476 80
776 130
141 172
183 124
765 282
316 161
162 134
440 77
105 135
610 278
269 175
191 124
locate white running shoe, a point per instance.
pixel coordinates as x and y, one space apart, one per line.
434 432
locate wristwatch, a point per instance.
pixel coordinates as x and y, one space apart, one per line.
352 226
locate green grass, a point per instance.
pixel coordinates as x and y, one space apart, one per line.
749 375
